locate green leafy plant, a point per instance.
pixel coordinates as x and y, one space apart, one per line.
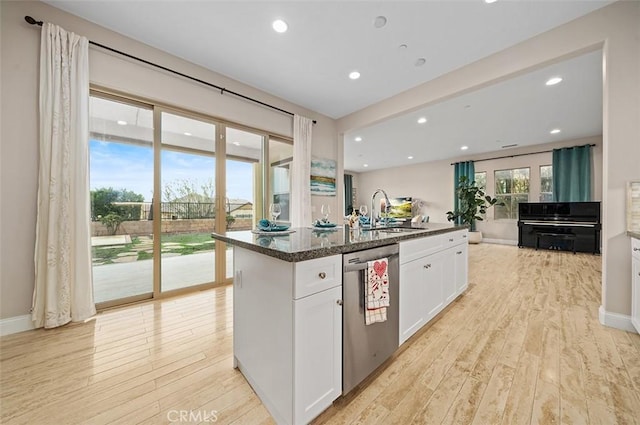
112 222
473 203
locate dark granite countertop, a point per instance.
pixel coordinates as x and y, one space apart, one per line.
307 243
633 234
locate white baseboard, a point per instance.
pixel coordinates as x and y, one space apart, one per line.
12 325
500 241
616 320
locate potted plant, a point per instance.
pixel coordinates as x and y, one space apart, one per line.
473 205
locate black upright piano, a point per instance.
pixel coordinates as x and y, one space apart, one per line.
571 226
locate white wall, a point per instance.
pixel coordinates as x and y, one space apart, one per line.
19 135
613 28
433 182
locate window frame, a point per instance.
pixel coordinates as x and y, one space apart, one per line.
501 196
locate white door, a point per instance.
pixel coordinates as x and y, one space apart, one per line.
449 275
318 353
412 295
462 268
432 277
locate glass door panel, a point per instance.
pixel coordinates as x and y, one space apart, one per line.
280 157
187 208
121 184
243 184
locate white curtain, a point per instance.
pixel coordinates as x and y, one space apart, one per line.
63 287
300 203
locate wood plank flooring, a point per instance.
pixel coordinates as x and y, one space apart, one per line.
522 346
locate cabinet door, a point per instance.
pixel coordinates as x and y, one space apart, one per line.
317 353
432 278
449 275
635 293
412 296
462 268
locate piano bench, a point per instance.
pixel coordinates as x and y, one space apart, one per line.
557 237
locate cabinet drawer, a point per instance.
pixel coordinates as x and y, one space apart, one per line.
635 247
455 238
417 248
317 275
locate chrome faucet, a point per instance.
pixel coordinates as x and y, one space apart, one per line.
373 211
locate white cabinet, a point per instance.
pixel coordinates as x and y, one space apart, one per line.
433 272
287 338
433 281
635 283
318 353
462 268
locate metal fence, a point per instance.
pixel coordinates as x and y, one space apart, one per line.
177 210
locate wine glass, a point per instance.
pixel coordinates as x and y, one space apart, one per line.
274 210
325 210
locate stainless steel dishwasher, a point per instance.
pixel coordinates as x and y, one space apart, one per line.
364 348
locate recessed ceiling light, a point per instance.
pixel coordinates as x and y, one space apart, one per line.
358 139
555 131
420 61
422 120
121 122
464 148
553 81
186 133
380 21
402 46
280 26
409 157
354 75
365 165
236 143
490 1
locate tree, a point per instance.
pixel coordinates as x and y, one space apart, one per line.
103 203
187 201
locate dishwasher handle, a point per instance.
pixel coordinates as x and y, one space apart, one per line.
354 267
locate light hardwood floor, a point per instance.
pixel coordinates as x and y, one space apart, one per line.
522 346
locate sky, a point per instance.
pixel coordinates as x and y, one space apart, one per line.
126 166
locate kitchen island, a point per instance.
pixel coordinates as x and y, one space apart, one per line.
288 304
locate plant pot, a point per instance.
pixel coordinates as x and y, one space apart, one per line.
475 236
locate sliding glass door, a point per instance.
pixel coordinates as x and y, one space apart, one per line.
243 181
162 180
121 183
188 202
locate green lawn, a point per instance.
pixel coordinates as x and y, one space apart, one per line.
188 243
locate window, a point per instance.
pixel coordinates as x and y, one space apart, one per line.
546 183
512 187
481 180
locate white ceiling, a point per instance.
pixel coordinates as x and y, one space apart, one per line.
521 111
309 64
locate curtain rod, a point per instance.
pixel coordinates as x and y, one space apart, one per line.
32 21
518 154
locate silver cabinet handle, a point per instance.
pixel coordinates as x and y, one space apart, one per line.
322 275
636 249
427 266
339 302
464 236
459 252
450 240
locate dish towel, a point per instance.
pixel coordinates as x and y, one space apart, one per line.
377 293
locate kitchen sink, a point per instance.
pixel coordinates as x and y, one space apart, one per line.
399 229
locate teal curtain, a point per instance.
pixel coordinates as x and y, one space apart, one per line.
572 174
466 168
348 194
